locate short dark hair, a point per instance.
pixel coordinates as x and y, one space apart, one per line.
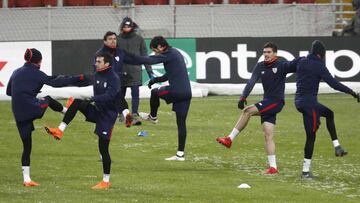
271 45
108 33
158 40
107 57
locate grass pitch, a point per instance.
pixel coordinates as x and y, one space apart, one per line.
67 169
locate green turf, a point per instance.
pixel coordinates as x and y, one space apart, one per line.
67 169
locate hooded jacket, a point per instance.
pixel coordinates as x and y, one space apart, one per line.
135 44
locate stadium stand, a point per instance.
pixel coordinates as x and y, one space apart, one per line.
68 23
77 2
207 1
155 2
53 3
102 2
183 2
50 2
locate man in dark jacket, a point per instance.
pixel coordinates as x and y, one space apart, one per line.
131 76
106 86
310 71
272 73
24 85
178 92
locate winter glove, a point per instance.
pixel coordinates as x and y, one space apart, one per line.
151 82
151 75
242 102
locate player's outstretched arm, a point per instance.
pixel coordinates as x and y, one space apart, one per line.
332 82
290 66
134 59
61 80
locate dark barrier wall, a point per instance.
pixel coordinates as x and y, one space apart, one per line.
73 56
241 52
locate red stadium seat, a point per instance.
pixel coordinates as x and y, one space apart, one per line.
305 1
155 2
77 2
28 3
284 1
11 3
207 1
102 2
138 2
235 1
256 1
50 2
182 2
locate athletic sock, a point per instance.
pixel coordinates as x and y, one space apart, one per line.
26 173
180 153
125 112
106 178
64 110
62 126
336 143
272 161
152 118
307 164
233 134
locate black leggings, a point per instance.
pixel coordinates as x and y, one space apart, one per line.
154 102
311 126
181 124
53 104
27 144
77 105
104 151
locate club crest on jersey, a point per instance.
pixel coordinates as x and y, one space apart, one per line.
274 69
117 58
262 72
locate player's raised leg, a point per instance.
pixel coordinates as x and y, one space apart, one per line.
240 125
330 125
75 105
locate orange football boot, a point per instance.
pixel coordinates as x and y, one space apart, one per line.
55 132
31 184
101 185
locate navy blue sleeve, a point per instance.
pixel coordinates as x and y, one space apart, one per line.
8 88
332 82
250 84
143 52
87 80
162 78
138 60
59 81
111 92
290 66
